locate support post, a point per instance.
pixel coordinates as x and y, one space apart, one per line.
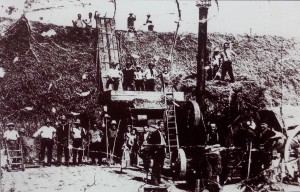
201 59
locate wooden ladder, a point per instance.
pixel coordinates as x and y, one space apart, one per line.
15 158
108 48
172 130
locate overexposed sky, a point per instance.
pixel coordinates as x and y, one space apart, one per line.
263 17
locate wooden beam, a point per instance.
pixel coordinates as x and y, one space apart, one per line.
144 95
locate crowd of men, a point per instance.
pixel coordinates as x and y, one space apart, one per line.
80 23
135 79
96 144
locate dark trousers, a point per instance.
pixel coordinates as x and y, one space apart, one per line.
114 82
12 144
128 85
62 147
46 143
95 152
227 67
150 85
77 150
158 163
133 156
139 85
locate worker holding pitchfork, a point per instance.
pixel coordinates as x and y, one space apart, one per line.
113 140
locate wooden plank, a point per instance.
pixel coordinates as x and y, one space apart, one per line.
145 95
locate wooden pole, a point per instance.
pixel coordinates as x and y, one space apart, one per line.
201 60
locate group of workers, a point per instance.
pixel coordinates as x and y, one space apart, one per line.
262 140
132 18
95 144
220 63
80 23
135 79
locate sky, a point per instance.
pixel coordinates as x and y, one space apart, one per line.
261 17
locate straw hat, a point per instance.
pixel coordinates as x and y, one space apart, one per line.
10 124
48 120
22 130
113 122
77 121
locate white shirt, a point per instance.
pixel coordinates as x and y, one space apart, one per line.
138 75
162 138
45 132
228 54
89 23
77 132
79 23
11 135
96 136
148 75
216 60
114 73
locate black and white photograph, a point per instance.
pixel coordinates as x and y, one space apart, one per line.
149 95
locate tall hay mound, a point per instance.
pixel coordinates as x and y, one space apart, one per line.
44 65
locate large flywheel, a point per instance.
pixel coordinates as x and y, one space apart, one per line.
292 153
193 114
179 164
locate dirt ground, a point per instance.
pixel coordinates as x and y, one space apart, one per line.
72 179
88 179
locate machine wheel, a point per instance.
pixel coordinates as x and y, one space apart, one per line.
292 154
193 114
179 164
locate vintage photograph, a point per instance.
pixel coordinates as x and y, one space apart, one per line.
149 96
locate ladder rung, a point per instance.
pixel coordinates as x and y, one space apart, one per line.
172 145
172 140
171 122
14 150
172 128
16 163
14 157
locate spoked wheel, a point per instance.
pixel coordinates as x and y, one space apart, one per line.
292 154
179 164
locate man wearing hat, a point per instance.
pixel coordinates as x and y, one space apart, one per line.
216 61
130 21
128 74
150 76
11 136
138 79
47 133
113 140
78 133
149 23
113 77
62 138
158 153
